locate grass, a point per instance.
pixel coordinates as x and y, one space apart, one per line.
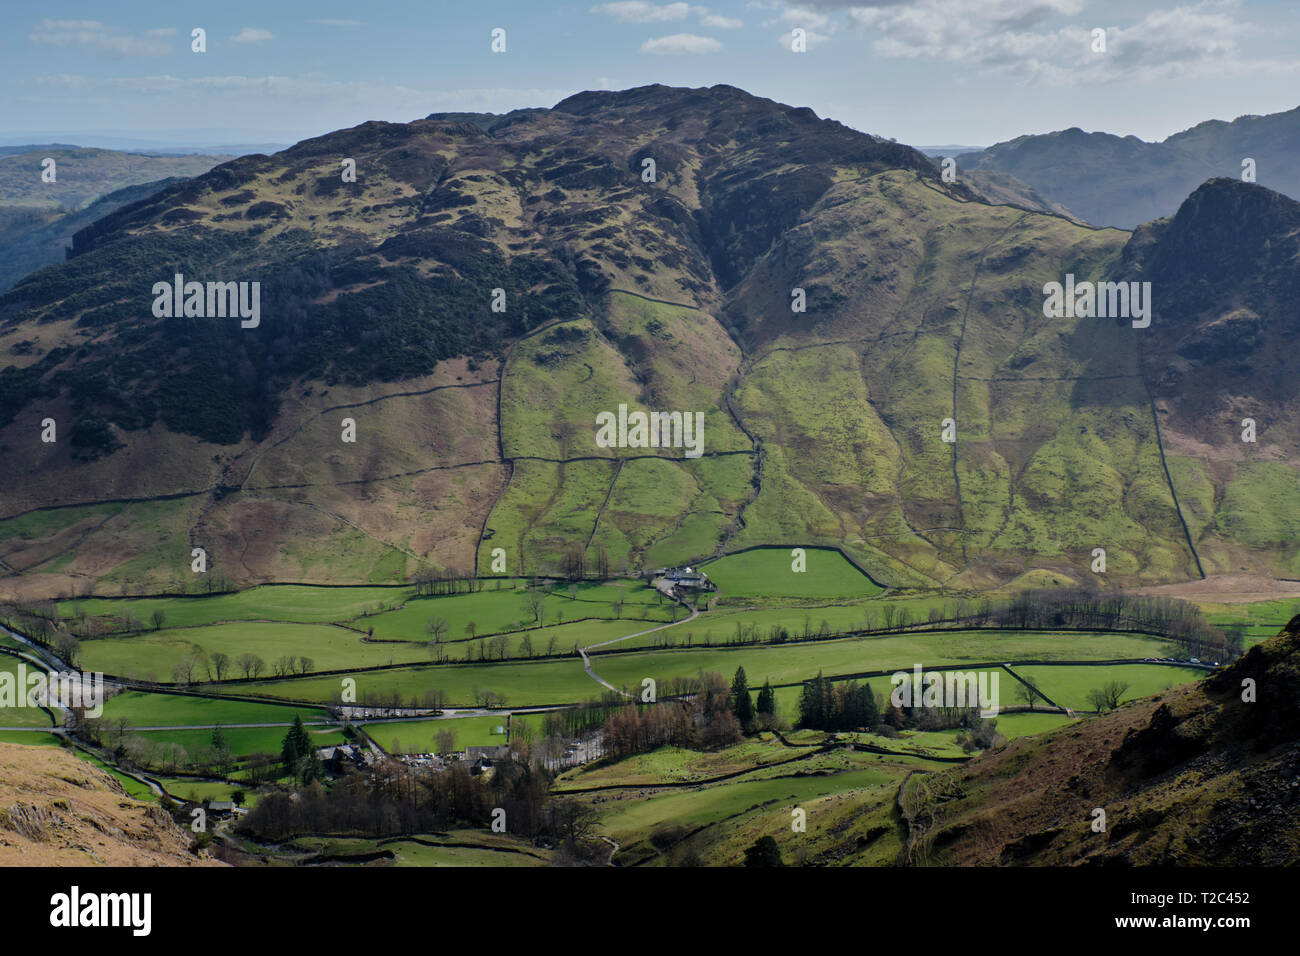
1027 724
42 524
1069 685
419 736
272 602
627 819
476 854
156 653
765 572
243 740
157 710
454 848
558 682
30 738
132 786
675 765
196 791
494 611
20 716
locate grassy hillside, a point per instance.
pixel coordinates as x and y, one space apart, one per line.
473 411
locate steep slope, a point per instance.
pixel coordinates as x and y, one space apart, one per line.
476 425
1123 181
1225 273
56 810
1197 775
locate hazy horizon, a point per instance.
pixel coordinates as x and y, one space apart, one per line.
919 71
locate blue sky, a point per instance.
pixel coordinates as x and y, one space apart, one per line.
922 71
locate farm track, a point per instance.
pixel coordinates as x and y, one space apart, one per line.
586 661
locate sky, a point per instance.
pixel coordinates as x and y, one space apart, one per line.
925 72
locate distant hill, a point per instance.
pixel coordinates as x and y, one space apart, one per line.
33 237
43 148
950 149
1194 776
1123 181
38 219
83 175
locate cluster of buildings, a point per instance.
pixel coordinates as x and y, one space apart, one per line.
677 583
477 759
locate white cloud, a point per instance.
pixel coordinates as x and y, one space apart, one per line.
638 11
252 35
93 35
680 43
721 23
1015 37
806 17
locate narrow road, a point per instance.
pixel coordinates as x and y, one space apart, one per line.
586 661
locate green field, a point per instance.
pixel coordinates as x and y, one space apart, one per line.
559 682
1260 619
243 740
493 611
594 612
20 716
29 738
270 602
171 710
676 765
1027 725
455 848
625 820
1069 685
417 736
156 653
196 791
767 572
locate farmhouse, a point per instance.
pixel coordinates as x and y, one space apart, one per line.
220 809
688 578
340 758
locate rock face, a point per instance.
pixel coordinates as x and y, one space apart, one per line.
57 810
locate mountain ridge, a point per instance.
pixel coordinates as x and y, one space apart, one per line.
667 292
1077 168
